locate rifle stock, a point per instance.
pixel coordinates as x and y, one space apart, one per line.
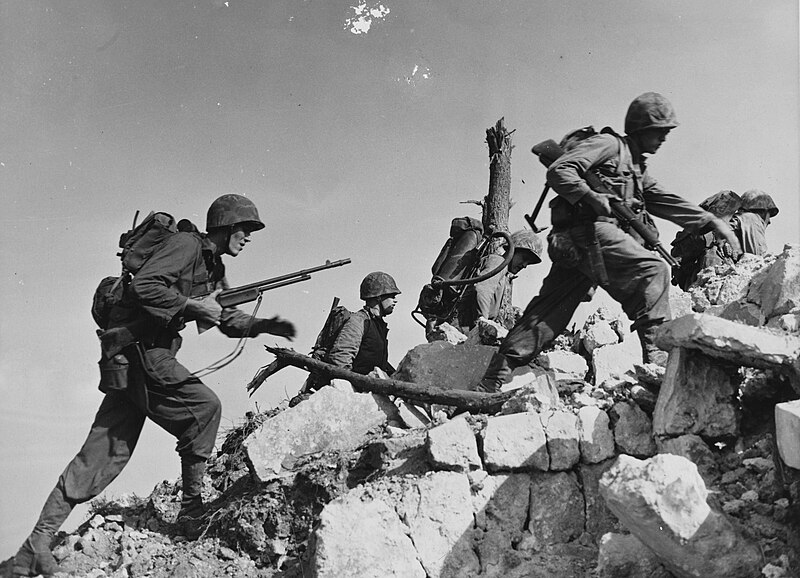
251 292
548 151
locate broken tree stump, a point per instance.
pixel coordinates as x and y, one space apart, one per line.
472 401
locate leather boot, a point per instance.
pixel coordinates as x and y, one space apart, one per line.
190 516
34 556
651 353
496 374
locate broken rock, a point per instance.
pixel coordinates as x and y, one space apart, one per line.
662 501
330 419
787 430
515 442
596 441
445 365
633 432
452 445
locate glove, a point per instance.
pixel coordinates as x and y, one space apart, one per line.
724 230
277 326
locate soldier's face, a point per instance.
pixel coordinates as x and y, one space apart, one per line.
388 303
520 260
240 236
651 139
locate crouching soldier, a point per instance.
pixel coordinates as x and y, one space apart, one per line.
750 224
175 285
631 274
485 297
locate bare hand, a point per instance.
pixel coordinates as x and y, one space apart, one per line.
204 309
724 230
598 202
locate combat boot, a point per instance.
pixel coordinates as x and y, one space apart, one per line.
34 557
496 374
190 517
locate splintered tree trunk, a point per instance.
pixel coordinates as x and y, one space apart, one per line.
497 202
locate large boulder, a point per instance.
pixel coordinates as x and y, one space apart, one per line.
330 419
445 365
662 501
515 442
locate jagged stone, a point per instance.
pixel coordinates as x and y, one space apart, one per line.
624 556
662 501
694 449
680 302
515 442
536 391
787 432
329 419
779 290
486 332
740 344
789 323
742 311
698 396
616 362
633 431
452 445
448 333
445 365
557 510
411 415
358 537
599 519
438 523
561 432
500 515
596 440
597 335
563 364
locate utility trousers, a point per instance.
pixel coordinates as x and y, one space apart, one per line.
189 410
637 279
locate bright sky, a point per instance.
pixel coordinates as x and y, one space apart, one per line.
357 129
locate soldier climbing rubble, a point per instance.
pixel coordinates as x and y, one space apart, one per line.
594 249
175 285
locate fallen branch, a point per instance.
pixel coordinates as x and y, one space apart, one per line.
472 401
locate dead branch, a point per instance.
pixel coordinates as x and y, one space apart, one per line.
472 401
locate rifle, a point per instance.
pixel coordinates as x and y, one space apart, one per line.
548 151
251 292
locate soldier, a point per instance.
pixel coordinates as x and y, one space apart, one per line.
635 277
696 251
751 223
484 298
175 285
362 343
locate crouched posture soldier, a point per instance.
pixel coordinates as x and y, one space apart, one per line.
485 297
362 343
175 285
751 222
635 277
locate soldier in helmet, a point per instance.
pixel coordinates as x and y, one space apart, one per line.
635 277
752 220
177 284
362 343
484 298
695 251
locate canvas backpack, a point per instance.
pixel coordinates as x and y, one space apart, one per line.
136 245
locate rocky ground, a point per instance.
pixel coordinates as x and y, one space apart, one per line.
285 523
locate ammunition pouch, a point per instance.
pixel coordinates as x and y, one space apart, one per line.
114 373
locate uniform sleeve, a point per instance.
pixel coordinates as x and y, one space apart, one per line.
486 292
155 285
565 175
348 342
233 321
665 205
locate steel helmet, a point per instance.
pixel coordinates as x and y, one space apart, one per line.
230 210
722 203
527 239
650 110
757 200
376 284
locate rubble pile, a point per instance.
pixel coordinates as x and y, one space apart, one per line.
597 466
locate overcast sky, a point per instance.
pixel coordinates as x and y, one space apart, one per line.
356 129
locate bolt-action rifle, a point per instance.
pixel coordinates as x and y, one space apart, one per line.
548 151
251 292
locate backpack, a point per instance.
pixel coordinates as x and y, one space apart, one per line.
137 245
458 259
